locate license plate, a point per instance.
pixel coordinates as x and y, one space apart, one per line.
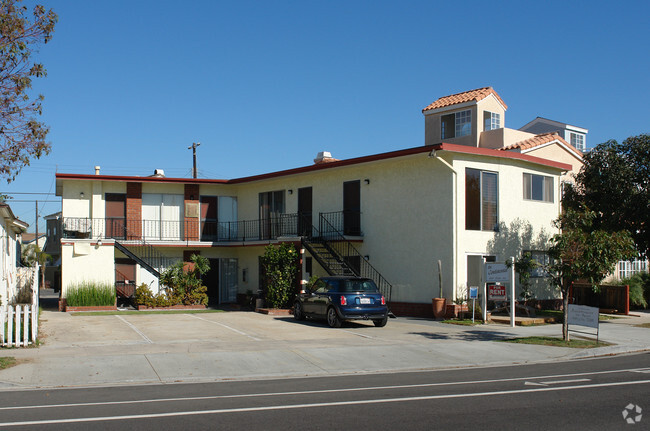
365 301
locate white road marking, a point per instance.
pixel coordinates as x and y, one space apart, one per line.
225 326
139 332
321 391
303 406
555 382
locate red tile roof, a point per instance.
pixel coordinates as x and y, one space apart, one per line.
538 140
467 96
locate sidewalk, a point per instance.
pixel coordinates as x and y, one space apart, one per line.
126 349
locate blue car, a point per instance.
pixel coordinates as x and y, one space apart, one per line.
342 298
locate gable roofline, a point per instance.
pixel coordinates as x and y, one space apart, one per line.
559 124
454 148
475 95
17 224
542 140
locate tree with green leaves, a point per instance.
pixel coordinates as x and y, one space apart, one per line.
614 184
281 271
583 252
22 137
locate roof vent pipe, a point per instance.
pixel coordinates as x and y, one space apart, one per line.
97 170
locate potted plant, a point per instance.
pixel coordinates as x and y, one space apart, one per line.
439 303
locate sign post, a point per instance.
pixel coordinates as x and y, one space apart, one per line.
473 294
512 292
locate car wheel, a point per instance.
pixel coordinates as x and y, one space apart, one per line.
380 322
332 318
298 312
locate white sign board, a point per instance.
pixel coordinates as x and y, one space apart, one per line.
497 272
583 315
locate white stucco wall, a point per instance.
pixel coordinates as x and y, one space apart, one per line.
84 260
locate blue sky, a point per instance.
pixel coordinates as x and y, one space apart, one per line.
264 86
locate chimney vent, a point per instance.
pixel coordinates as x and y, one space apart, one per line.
158 173
97 170
324 157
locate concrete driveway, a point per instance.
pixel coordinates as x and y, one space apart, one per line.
112 349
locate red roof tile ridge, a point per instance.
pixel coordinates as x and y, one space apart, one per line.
477 95
537 140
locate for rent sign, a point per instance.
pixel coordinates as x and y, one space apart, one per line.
496 292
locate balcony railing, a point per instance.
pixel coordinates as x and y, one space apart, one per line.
183 230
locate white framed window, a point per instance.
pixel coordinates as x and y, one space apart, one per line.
543 260
456 124
491 120
538 188
578 141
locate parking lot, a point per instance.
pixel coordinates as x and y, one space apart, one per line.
80 350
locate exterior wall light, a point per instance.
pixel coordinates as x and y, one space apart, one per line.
367 181
290 191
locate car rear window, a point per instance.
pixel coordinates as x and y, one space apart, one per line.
357 286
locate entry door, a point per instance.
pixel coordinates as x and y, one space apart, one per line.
124 277
304 211
352 208
211 280
271 210
115 215
227 281
209 205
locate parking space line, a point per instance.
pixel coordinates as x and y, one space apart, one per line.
139 332
360 335
225 326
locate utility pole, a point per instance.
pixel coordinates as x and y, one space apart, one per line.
193 148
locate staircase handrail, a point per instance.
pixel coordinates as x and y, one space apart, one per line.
365 269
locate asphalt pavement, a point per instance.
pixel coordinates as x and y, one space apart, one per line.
126 349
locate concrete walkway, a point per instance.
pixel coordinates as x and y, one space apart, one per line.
124 349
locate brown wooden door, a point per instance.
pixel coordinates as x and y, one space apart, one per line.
352 208
125 278
115 215
304 211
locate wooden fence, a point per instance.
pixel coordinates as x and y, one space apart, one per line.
19 323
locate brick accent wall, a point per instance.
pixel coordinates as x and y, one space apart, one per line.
134 210
187 254
191 223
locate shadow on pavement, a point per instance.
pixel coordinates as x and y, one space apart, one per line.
470 335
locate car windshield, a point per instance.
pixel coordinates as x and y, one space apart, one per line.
357 286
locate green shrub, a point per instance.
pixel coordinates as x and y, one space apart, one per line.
280 270
143 295
90 293
639 289
183 283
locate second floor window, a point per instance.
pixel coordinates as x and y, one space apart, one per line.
538 188
481 200
456 125
578 141
491 120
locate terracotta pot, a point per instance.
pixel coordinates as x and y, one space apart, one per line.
439 307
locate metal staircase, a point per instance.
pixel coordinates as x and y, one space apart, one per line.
338 256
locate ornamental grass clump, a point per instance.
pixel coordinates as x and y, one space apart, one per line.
90 294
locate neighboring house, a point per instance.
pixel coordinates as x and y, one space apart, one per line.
53 249
28 238
390 216
11 229
576 136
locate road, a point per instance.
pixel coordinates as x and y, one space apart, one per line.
580 394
